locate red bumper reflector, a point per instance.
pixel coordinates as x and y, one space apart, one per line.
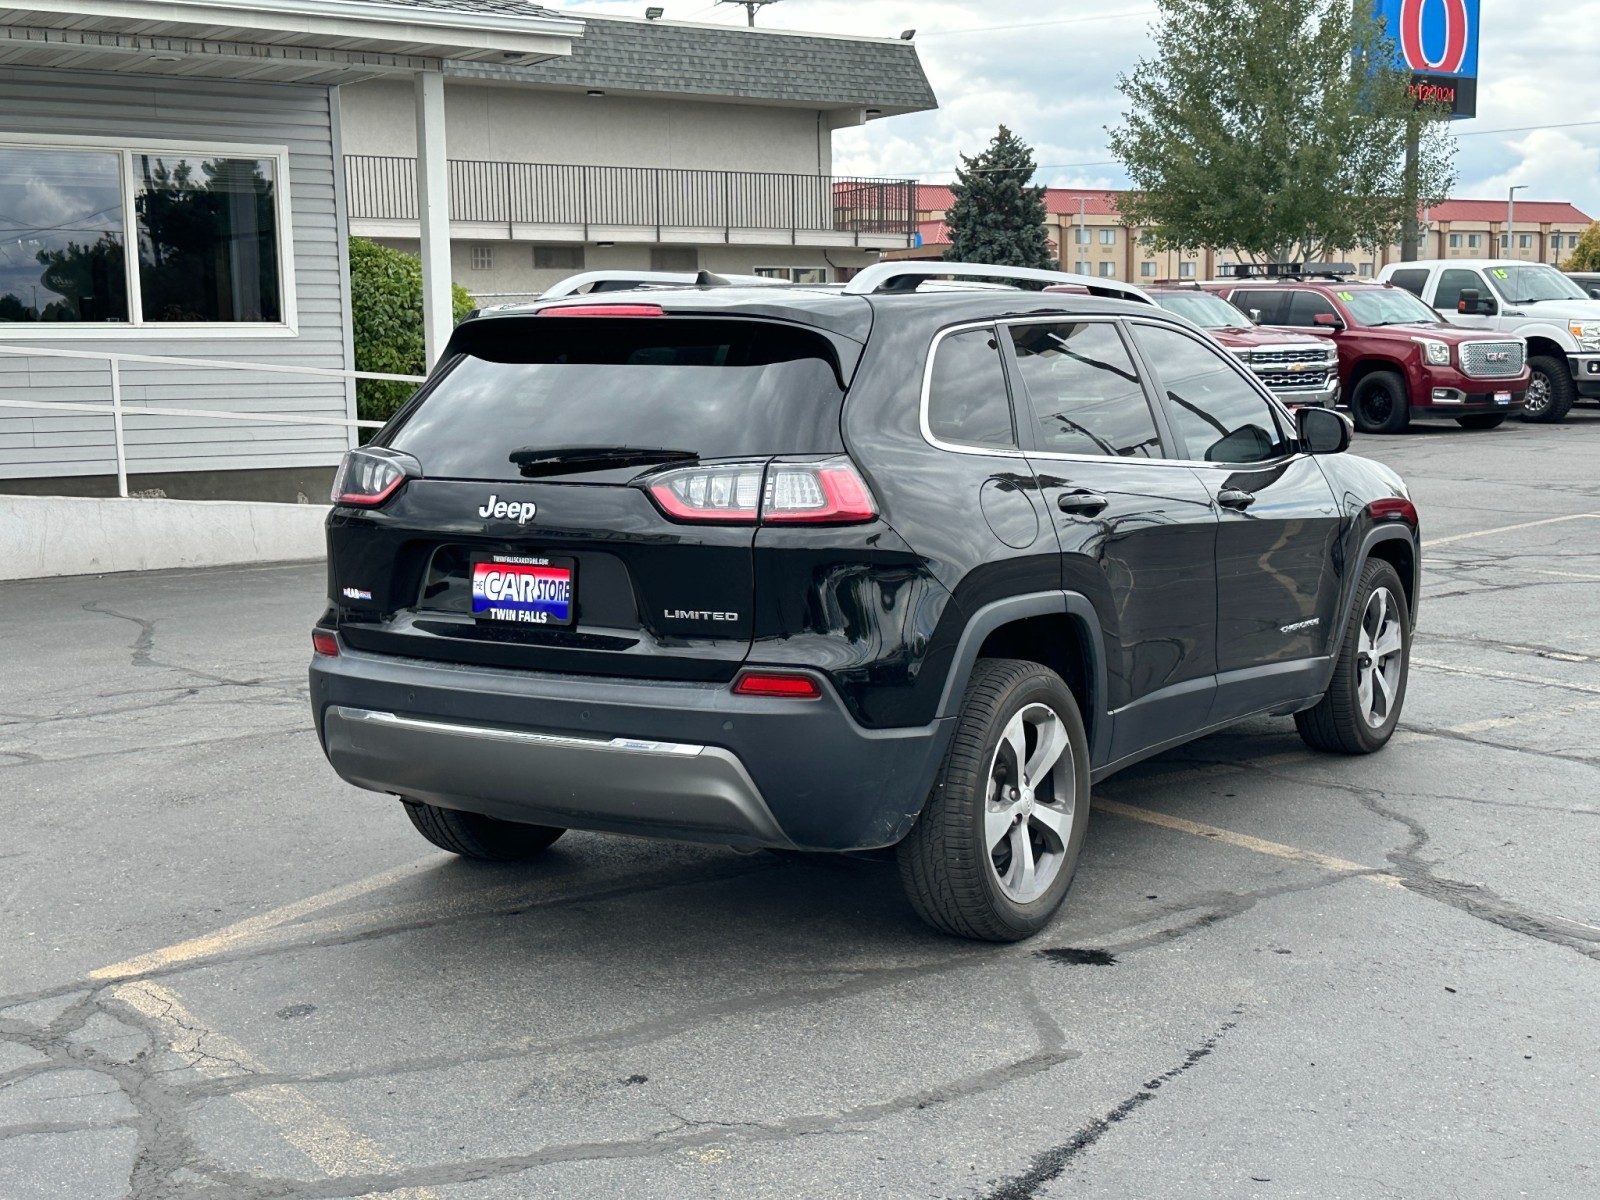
777 685
605 310
325 643
1393 507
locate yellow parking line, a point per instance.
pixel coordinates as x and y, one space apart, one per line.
1245 842
1461 537
233 936
333 1146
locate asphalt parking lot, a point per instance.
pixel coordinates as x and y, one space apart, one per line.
224 973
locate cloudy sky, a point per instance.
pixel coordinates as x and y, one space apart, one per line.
1048 68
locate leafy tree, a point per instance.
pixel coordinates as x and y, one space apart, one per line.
998 216
186 262
386 317
1276 127
13 309
1587 256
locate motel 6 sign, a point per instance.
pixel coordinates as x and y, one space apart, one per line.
1438 44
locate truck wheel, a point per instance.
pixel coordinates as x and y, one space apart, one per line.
1381 404
1551 394
1482 421
473 835
994 851
1359 711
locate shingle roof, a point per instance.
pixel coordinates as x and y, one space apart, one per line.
1531 212
933 197
728 61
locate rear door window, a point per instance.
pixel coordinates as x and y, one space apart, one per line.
1084 390
968 402
711 388
1414 281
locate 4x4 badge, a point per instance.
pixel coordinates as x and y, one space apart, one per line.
520 513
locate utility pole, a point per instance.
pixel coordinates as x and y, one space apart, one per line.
1409 231
1083 237
750 7
1511 213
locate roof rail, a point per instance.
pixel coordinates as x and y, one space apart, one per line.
1330 270
906 276
616 281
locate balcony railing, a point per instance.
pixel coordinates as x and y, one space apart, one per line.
519 193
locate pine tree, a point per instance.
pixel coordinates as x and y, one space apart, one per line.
998 217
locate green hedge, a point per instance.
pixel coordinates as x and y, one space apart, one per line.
386 312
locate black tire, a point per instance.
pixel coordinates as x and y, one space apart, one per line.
1482 421
1552 393
473 835
947 866
1381 403
1340 724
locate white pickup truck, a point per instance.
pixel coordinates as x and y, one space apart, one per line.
1560 322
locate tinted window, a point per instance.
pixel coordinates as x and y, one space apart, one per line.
967 400
1453 283
1412 281
61 236
1216 414
1273 306
1306 307
717 389
1084 390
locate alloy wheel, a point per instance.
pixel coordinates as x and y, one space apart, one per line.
1031 799
1538 398
1379 658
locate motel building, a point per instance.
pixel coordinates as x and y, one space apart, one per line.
179 178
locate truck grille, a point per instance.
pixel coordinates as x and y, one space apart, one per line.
1309 355
1493 360
1300 381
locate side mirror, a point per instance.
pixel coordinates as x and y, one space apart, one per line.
1327 321
1473 303
1323 431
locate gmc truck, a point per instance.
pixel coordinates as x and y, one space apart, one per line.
1558 318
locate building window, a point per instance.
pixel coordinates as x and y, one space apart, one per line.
1474 241
1524 241
1186 270
206 237
1108 237
1455 241
674 258
1081 236
1083 268
483 258
1147 270
1108 269
558 258
794 274
1366 270
1555 241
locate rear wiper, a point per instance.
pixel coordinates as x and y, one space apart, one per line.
566 460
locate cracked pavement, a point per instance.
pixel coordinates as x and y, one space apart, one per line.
224 973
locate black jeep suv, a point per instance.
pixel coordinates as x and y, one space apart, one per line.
905 564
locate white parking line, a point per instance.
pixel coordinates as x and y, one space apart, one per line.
1429 543
1508 676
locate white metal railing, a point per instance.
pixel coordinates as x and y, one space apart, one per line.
117 411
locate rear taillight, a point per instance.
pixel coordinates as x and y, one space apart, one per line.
777 685
369 476
831 492
325 643
1393 508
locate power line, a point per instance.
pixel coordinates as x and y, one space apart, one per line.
1526 129
1119 16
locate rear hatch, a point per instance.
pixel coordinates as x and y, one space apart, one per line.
580 493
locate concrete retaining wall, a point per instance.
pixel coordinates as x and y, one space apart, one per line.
59 535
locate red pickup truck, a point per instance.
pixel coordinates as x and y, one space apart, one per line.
1398 361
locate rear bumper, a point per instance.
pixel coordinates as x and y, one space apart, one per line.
678 760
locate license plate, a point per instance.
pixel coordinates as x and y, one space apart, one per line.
523 589
1502 397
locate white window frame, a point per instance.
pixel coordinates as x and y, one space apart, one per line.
482 257
136 327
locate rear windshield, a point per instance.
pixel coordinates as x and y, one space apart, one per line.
711 388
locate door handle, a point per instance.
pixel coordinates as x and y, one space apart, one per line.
1082 504
1234 498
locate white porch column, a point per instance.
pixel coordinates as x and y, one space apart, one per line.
433 213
